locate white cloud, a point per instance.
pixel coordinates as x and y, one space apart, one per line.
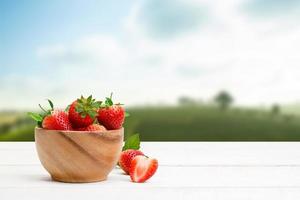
240 54
165 19
271 8
256 60
89 51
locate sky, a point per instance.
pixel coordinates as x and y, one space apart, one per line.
150 51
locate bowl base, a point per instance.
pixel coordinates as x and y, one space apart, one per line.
68 180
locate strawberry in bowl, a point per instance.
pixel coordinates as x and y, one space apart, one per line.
52 119
111 115
83 112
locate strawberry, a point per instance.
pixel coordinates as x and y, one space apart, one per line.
58 120
92 127
111 115
142 168
83 112
126 158
52 119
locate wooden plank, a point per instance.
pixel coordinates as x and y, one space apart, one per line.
207 170
186 153
153 194
166 177
32 182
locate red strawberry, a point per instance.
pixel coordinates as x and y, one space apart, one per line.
92 127
57 120
142 168
83 112
52 119
111 115
126 158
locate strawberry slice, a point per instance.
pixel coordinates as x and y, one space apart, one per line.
126 157
142 168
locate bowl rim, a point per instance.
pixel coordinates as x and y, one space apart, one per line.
79 132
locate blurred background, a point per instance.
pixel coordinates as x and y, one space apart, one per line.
188 70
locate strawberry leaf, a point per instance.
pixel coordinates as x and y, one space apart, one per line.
127 114
68 108
97 104
87 106
46 111
79 109
51 104
133 142
108 102
36 117
89 99
40 117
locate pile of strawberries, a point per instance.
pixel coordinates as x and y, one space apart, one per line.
83 114
87 114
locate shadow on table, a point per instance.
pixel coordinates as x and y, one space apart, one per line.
37 178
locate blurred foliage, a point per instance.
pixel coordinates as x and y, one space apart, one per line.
275 110
16 126
223 99
183 123
208 123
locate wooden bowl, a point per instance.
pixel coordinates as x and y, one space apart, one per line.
78 156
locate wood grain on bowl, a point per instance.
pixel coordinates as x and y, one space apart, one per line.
78 156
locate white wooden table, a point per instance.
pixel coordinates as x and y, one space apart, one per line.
187 170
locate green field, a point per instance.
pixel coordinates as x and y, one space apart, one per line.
184 123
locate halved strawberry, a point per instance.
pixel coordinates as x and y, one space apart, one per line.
92 127
142 168
111 115
83 112
126 157
57 120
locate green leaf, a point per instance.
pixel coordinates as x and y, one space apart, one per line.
51 104
35 116
68 108
133 142
89 99
79 109
46 111
108 102
92 114
127 114
97 104
40 124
